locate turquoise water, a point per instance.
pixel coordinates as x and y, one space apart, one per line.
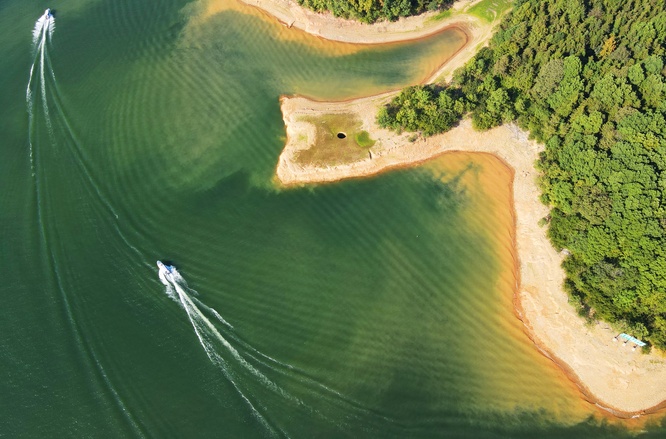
366 308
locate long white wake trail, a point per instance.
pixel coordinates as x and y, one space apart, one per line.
42 85
41 38
216 346
41 35
209 338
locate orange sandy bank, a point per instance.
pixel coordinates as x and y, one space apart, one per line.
405 29
327 26
610 374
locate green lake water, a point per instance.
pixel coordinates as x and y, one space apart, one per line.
367 308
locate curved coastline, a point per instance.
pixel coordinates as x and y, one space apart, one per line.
623 383
327 26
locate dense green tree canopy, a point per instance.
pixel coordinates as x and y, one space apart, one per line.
370 11
586 78
422 108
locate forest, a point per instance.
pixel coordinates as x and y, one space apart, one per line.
369 11
586 78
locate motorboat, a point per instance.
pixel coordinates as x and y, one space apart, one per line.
169 268
166 273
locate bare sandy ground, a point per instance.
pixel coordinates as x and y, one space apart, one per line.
609 373
349 31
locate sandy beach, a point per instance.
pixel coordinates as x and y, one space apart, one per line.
611 375
349 31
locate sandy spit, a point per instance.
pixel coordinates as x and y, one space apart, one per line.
611 375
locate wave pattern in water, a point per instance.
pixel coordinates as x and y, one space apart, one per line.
51 130
236 365
378 304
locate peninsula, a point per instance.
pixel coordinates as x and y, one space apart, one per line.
609 374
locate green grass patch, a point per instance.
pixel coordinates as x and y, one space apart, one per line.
489 10
363 139
329 148
442 15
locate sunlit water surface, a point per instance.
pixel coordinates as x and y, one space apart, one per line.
136 131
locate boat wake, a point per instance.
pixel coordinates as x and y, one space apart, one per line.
43 88
239 362
45 24
217 348
41 36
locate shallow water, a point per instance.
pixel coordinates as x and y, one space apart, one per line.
369 308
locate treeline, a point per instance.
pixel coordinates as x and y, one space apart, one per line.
369 11
587 79
427 109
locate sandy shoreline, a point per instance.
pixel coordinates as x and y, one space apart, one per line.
610 375
327 26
